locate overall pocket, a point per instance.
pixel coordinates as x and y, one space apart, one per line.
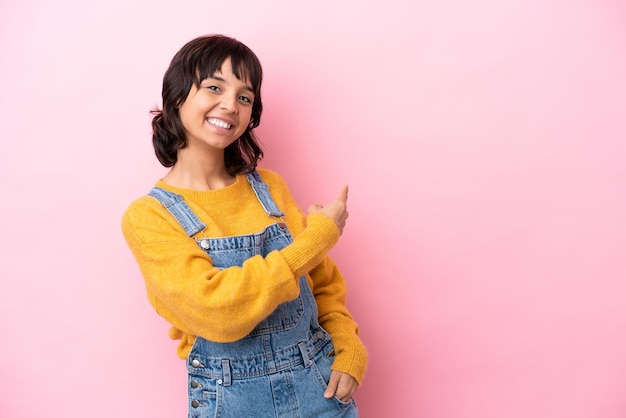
321 368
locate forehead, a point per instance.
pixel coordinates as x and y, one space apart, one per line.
227 66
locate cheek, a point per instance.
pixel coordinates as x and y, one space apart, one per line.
241 129
185 111
249 116
245 118
184 119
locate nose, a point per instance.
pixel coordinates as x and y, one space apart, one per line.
229 103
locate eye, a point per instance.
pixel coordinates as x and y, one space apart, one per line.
245 99
213 88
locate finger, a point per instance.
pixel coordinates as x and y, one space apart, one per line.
315 208
343 195
343 396
345 388
332 385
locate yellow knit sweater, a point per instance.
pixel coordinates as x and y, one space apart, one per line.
198 299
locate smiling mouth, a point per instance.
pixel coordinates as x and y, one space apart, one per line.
219 123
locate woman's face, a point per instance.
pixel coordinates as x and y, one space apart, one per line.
217 113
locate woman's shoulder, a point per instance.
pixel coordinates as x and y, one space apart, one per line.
280 191
274 180
144 213
270 176
142 205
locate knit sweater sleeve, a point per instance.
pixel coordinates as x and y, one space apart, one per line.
329 289
221 305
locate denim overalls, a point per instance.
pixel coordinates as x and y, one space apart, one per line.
282 367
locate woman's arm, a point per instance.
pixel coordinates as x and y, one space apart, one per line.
329 289
199 299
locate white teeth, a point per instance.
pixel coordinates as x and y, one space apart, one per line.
219 123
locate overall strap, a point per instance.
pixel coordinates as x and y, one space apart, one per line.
262 192
176 205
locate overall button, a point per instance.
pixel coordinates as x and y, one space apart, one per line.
196 363
195 403
319 335
194 384
219 382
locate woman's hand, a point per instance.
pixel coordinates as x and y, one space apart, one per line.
336 210
341 385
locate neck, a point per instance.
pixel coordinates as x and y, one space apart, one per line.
199 171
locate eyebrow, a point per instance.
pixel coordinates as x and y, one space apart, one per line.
218 78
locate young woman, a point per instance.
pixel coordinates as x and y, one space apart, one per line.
231 262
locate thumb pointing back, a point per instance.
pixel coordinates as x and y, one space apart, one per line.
343 195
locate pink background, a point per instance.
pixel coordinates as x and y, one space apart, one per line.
484 143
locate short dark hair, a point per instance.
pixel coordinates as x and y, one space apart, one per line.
194 62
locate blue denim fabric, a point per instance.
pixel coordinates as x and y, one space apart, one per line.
179 209
282 367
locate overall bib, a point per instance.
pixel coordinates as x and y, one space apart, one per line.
282 367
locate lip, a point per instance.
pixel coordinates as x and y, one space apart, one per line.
222 119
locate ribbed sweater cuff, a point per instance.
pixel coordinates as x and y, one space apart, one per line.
352 359
311 246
